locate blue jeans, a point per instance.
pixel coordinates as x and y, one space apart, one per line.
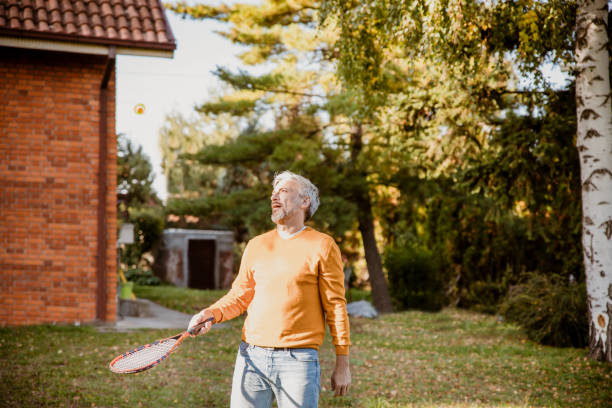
293 376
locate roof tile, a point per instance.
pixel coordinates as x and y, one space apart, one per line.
122 22
93 9
70 28
135 25
55 18
147 25
85 31
106 9
131 11
42 26
52 5
41 15
124 33
79 6
130 23
118 10
69 18
82 19
13 11
28 14
111 32
144 13
138 35
156 14
109 22
99 31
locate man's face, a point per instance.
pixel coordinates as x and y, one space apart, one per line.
285 201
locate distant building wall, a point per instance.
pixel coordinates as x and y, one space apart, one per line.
176 265
49 147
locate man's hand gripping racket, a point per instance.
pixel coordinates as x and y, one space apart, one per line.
148 356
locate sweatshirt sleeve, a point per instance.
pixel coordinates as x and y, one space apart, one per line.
236 301
331 290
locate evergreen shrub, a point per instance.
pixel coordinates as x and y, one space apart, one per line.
484 253
483 296
142 277
551 310
415 281
148 231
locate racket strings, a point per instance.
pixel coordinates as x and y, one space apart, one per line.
144 357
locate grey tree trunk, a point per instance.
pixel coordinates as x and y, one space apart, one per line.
380 291
594 143
360 193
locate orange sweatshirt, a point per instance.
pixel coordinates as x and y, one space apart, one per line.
289 287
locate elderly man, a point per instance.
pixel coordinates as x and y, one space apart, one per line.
290 281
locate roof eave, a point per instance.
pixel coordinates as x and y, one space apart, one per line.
83 45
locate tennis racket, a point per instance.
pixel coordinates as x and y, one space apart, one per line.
148 356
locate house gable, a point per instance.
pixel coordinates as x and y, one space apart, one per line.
87 26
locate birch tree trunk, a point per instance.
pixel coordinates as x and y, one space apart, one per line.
594 143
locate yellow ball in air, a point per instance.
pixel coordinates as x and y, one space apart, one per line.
139 108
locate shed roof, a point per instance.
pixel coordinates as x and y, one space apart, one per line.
127 23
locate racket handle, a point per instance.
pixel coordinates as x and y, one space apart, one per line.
198 326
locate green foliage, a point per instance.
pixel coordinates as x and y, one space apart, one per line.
236 108
181 137
513 205
494 192
134 175
148 230
551 310
248 147
463 33
243 80
482 295
141 276
415 279
137 203
482 252
242 200
463 147
532 170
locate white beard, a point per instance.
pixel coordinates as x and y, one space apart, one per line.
280 214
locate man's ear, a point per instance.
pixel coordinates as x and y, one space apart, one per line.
305 204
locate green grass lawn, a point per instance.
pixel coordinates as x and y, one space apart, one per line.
454 358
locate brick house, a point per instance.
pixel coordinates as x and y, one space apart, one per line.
58 151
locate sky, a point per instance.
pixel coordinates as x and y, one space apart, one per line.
166 85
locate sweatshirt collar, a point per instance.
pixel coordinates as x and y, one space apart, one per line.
284 235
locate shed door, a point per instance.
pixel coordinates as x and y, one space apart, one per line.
201 259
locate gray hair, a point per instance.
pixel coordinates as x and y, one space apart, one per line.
307 189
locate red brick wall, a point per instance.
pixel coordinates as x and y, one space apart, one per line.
49 138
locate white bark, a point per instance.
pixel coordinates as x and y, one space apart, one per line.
594 143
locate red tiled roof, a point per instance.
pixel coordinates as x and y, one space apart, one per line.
128 23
